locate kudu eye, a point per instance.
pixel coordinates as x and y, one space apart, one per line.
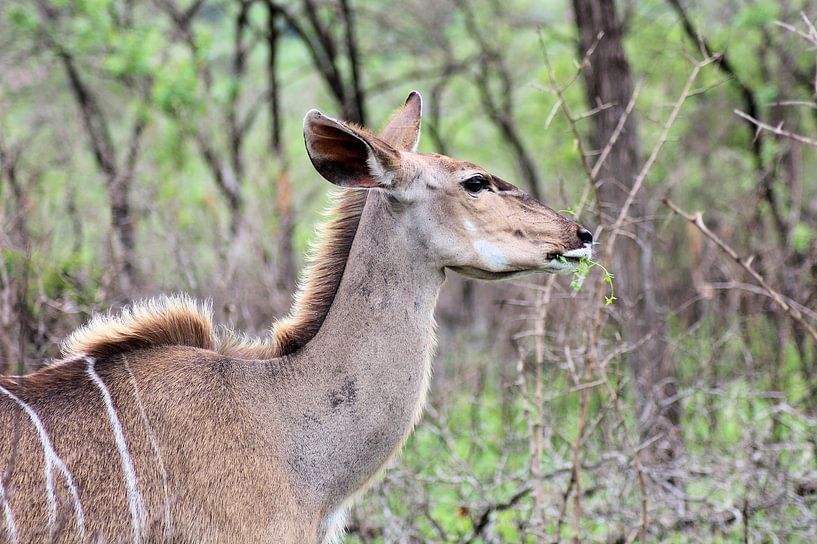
475 184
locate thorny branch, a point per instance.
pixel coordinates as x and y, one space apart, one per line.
596 331
645 169
777 130
574 484
746 264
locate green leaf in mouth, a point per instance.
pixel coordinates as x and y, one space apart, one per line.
583 270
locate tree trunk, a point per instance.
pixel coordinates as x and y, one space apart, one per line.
124 238
118 179
608 80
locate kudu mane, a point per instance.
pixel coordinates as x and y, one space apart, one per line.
181 321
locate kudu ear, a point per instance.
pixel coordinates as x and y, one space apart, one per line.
403 129
347 156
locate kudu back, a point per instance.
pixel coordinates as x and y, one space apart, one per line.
156 426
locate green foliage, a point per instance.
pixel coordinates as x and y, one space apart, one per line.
802 236
758 14
22 18
583 270
91 30
175 84
133 53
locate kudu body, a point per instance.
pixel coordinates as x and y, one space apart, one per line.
156 427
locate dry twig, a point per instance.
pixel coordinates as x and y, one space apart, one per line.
778 130
746 263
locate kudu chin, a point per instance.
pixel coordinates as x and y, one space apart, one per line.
156 426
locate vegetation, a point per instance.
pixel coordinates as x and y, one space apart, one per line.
667 393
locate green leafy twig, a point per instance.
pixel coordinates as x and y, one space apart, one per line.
583 270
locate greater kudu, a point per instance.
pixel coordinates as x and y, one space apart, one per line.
157 427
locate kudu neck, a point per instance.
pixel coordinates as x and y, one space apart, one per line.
363 378
388 290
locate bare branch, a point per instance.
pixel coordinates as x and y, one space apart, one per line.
778 130
746 264
645 169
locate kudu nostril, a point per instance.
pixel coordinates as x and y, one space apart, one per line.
585 235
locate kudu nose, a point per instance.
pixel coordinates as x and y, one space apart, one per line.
585 235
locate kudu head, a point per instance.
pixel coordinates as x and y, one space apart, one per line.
463 217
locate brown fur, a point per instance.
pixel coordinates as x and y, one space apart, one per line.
181 321
403 128
314 297
166 321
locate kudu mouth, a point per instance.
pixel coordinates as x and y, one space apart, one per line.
568 261
574 242
555 263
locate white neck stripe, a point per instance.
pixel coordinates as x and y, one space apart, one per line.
11 529
51 460
134 498
154 444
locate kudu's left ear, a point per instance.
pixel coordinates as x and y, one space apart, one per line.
347 156
403 129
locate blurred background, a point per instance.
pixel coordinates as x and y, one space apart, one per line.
667 395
